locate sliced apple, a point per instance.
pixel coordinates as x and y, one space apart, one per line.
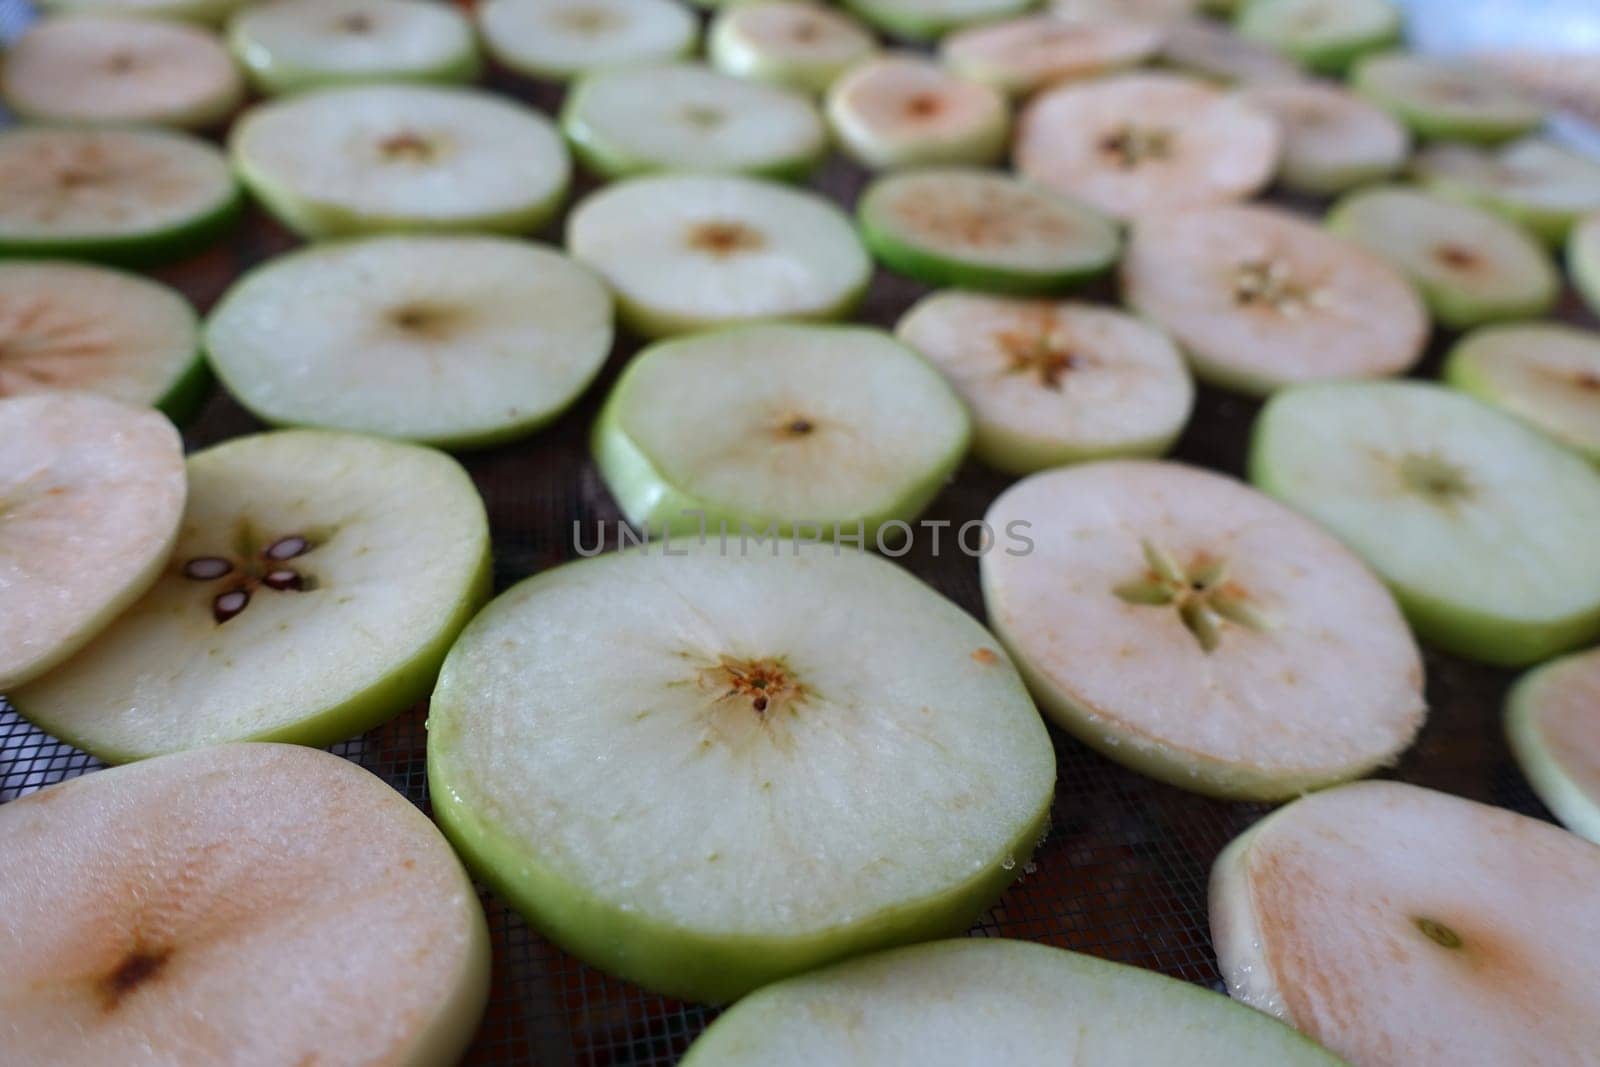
205 11
903 110
1551 723
1583 259
1201 47
1333 139
1534 182
1158 12
1447 99
561 39
1546 374
797 44
1322 35
924 20
1024 54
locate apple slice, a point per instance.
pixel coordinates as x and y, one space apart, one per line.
690 117
1583 259
373 158
1137 143
983 230
210 12
91 492
749 428
925 20
1325 36
118 195
1550 722
72 326
902 110
291 45
1395 924
1199 632
1051 384
796 44
1471 267
1546 374
688 252
1447 99
242 904
317 582
1534 182
1429 485
561 39
663 760
1158 12
451 341
1333 139
1260 299
1207 50
1024 54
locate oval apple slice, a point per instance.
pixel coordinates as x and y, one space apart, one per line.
793 43
1333 139
1022 55
561 39
1202 47
905 111
1447 99
210 12
1325 36
1534 182
1552 726
1546 374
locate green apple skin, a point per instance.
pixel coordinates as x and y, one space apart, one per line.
179 241
209 12
188 392
1551 226
922 29
1578 810
276 79
1583 261
1330 59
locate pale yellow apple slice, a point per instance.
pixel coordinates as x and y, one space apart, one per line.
902 110
1553 724
561 39
794 43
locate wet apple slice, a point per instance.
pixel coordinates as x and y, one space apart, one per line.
243 903
793 43
1398 925
1546 374
561 39
924 20
1539 184
1447 99
1024 54
905 111
1333 139
1553 724
674 772
1322 35
317 581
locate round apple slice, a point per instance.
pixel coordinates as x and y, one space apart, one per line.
290 45
366 159
120 195
71 326
120 70
1137 143
983 230
1395 924
1551 724
1333 140
797 44
1051 384
1430 486
1024 54
906 111
317 581
450 341
689 117
1447 99
1470 266
1201 633
663 760
1583 260
746 429
1546 374
924 20
245 903
1323 35
688 252
1200 47
562 39
91 492
1534 182
1260 299
207 11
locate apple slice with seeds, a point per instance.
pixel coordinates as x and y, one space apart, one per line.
240 904
690 117
1201 633
374 158
1136 143
210 12
797 44
1325 36
1447 99
903 110
1260 299
925 20
802 428
1395 924
1534 182
686 252
455 341
1583 260
1022 55
561 39
675 773
1429 485
1546 374
91 492
1333 139
1471 267
1205 49
1551 724
317 582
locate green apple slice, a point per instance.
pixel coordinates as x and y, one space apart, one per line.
72 326
290 45
1471 267
1261 299
1333 139
454 341
1137 143
1395 924
1207 50
117 195
982 230
1159 12
748 428
210 12
797 44
662 760
1550 722
924 20
91 492
689 117
317 582
246 903
87 68
686 252
1429 485
561 39
1193 629
1447 99
375 158
1534 182
959 1002
1323 35
1546 374
1583 259
903 110
1050 384
1024 54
